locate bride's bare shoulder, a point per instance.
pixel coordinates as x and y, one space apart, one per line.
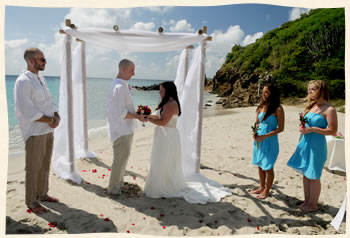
171 107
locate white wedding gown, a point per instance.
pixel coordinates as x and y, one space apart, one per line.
165 177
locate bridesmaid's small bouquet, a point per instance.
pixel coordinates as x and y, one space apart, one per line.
255 128
143 110
302 119
302 123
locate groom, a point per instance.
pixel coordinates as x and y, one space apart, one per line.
121 123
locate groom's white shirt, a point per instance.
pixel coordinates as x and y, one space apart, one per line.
120 102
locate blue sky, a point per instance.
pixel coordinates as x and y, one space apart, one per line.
228 25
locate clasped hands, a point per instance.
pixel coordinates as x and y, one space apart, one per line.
145 118
56 122
305 130
142 118
259 138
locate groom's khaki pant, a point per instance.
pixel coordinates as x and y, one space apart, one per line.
38 159
121 153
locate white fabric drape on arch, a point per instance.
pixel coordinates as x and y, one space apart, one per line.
181 72
63 142
79 101
189 123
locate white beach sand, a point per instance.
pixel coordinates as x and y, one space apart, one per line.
226 158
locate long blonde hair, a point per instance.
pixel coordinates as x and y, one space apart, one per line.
322 91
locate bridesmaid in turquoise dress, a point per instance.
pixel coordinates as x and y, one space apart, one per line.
270 118
311 152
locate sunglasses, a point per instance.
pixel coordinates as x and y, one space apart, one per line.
43 60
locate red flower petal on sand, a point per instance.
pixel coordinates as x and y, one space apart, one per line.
249 220
144 218
107 219
164 227
87 182
200 221
29 210
132 167
98 177
103 175
153 208
52 224
134 178
109 169
234 174
127 231
257 227
101 215
133 224
83 170
94 170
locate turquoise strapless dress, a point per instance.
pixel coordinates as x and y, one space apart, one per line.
265 152
311 152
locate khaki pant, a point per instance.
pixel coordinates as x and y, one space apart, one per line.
38 159
121 153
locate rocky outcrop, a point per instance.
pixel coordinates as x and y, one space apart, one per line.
237 90
147 88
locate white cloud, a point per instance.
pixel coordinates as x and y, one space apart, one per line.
221 45
14 49
249 39
89 17
16 43
180 26
161 10
143 26
296 12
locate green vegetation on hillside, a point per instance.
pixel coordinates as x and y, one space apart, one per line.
311 47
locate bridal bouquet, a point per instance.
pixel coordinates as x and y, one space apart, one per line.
143 110
255 128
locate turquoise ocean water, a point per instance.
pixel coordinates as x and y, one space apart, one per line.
97 96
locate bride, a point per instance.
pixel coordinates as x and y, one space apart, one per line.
165 177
